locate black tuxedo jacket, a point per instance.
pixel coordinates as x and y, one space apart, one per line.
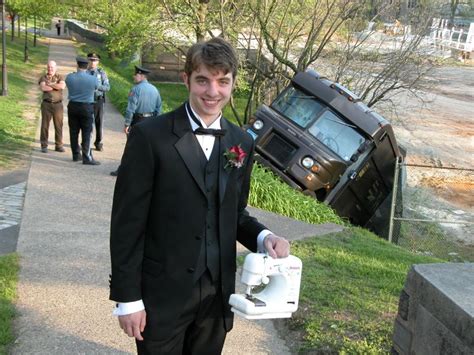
159 214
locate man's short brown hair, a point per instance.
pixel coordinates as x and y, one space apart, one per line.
215 54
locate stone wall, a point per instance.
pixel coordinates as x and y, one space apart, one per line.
436 311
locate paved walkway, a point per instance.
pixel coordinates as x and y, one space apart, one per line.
63 304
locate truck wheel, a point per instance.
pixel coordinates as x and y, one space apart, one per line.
309 193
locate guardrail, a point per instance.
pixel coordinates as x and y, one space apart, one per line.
453 38
80 29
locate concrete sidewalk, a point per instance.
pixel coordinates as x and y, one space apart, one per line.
63 304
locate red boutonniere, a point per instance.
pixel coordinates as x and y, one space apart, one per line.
235 157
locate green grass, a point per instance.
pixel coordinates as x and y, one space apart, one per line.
16 133
270 193
429 238
349 293
8 279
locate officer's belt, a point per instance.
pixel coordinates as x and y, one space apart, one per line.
51 101
146 114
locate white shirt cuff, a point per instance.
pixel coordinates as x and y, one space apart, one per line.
125 308
260 238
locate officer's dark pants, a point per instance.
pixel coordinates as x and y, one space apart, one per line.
99 122
136 118
80 116
55 111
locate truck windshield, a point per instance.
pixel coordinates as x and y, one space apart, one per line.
318 119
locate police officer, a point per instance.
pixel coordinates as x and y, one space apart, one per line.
103 85
144 101
81 87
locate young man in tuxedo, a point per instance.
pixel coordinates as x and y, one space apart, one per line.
179 207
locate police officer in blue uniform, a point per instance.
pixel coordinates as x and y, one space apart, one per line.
144 101
103 86
81 87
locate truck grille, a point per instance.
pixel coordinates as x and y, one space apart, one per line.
279 149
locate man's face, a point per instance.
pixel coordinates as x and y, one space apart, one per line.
138 78
93 63
209 92
51 68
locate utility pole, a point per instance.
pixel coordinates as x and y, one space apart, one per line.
4 50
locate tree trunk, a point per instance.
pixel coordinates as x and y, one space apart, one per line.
13 26
18 20
454 6
201 25
34 29
26 39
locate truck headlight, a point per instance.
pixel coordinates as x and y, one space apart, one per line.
307 162
258 125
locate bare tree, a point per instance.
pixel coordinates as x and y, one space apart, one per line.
333 36
288 36
453 5
377 66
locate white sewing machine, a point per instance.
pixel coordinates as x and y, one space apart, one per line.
279 299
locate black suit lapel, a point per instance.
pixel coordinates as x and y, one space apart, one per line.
226 142
188 147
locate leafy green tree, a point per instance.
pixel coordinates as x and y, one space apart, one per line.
129 24
32 8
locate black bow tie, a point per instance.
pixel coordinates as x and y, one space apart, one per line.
209 131
201 130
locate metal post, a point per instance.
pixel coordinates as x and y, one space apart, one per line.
394 199
4 52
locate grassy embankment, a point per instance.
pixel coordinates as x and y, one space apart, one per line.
351 280
17 133
16 136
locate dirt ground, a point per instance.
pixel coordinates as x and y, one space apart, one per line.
440 133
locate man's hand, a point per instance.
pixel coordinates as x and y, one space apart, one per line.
126 129
133 324
277 247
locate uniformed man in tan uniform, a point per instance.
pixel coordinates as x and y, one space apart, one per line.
52 85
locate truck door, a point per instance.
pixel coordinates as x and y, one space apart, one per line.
370 186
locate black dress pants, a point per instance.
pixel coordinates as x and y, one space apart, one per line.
80 117
99 122
200 329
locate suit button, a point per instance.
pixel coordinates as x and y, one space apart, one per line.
190 269
198 237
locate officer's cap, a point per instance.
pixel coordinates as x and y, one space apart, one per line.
140 70
81 60
93 56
